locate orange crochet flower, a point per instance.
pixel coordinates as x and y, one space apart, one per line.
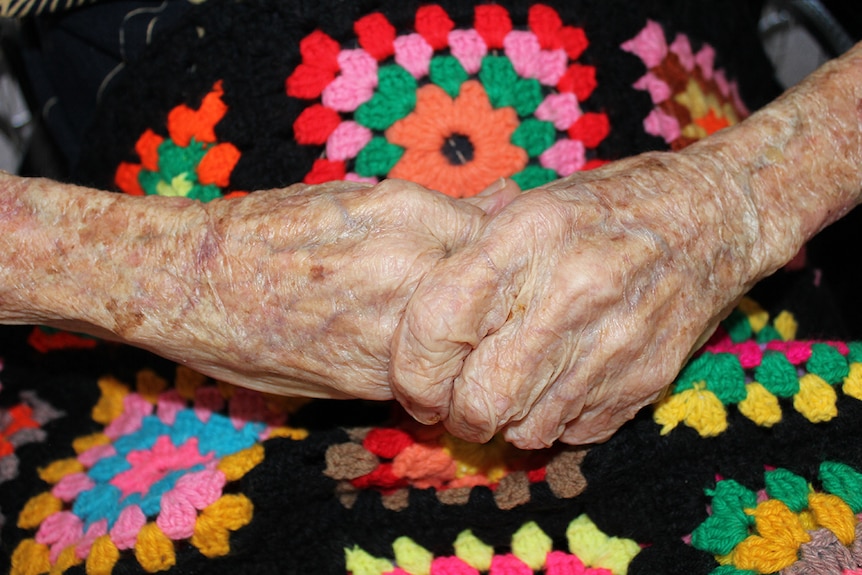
438 122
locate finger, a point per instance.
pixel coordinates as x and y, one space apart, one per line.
496 196
457 304
504 378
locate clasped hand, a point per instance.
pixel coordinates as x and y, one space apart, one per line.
553 314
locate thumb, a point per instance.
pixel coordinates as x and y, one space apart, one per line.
453 308
496 196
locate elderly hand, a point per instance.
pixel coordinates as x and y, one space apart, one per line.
577 305
293 291
581 300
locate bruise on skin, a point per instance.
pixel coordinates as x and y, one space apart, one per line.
317 273
125 321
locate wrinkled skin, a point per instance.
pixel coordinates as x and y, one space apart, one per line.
576 306
294 291
579 302
555 316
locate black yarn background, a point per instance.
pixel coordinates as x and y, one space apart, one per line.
253 47
640 485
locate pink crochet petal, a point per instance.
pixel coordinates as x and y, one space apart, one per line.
359 66
200 488
650 44
354 177
71 485
508 565
469 48
451 566
347 140
565 157
344 94
168 405
658 89
124 533
89 457
705 58
60 530
721 82
551 66
96 530
523 50
560 563
135 408
177 516
797 352
562 110
413 53
737 99
682 48
659 123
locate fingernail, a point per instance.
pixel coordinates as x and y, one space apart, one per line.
493 188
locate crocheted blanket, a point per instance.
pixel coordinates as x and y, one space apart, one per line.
116 461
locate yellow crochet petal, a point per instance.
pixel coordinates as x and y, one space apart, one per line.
85 442
596 549
65 560
30 558
757 316
37 509
103 556
699 408
149 384
361 563
777 545
237 464
531 545
412 557
110 404
59 469
670 411
473 552
760 406
154 550
212 529
835 515
853 382
785 324
187 380
815 399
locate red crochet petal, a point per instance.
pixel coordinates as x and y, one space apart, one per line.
580 80
574 41
325 171
376 35
320 51
493 23
536 475
217 164
593 164
147 148
307 81
434 24
126 179
314 125
382 478
185 123
387 443
591 129
545 24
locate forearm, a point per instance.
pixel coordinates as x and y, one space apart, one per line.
74 256
798 161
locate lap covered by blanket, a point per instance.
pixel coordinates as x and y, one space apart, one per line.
113 460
